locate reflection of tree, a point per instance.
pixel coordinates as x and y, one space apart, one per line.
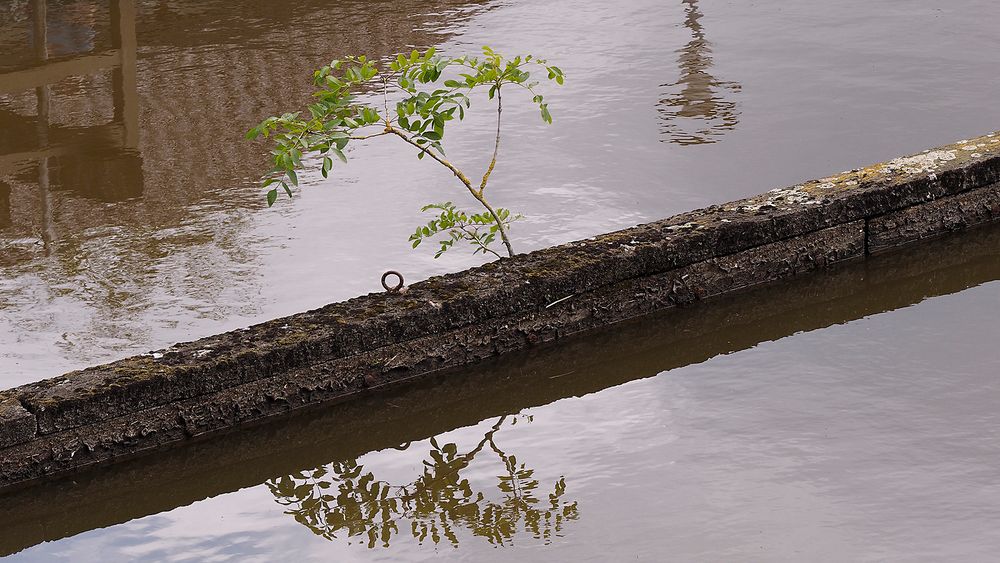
699 111
343 497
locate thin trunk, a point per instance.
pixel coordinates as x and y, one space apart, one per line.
465 180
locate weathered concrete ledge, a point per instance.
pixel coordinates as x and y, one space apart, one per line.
213 384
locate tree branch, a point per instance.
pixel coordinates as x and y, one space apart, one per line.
474 235
362 138
496 145
458 173
465 180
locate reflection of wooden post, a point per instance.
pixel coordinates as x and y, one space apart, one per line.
124 129
5 220
42 55
125 93
42 96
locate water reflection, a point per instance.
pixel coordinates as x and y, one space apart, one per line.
4 205
696 109
343 498
98 161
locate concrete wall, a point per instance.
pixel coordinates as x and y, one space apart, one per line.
213 384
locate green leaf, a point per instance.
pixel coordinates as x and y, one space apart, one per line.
546 116
337 111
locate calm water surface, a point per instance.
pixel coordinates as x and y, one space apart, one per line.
129 218
861 426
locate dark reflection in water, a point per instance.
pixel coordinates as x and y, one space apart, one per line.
696 109
81 55
99 160
4 205
343 498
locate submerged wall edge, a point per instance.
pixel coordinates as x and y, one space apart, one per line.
121 409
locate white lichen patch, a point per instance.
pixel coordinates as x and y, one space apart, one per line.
919 164
777 198
684 227
931 162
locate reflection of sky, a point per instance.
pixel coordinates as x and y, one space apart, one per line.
868 440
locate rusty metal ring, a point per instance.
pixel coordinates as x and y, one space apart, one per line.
398 286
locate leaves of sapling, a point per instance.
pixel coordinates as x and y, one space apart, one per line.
421 116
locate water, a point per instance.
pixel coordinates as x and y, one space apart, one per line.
151 230
858 426
847 416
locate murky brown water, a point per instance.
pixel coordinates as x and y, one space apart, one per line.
775 426
129 218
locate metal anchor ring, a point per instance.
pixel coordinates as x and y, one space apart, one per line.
398 286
